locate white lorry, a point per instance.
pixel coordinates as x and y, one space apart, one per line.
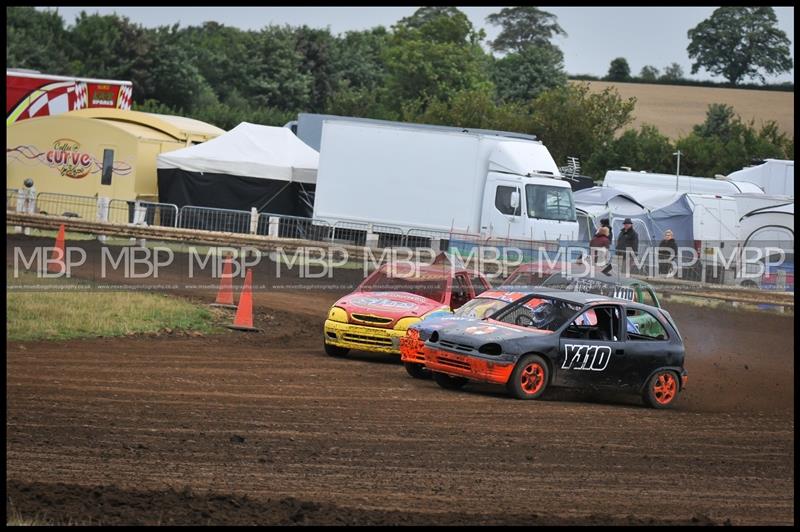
442 179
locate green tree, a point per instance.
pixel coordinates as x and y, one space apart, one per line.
316 50
649 73
36 40
523 75
571 121
646 149
223 55
474 108
357 58
362 102
720 122
739 42
110 46
277 78
619 70
172 76
433 56
522 27
723 143
672 72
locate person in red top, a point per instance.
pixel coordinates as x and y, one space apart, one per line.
600 245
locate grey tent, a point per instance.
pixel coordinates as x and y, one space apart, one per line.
596 203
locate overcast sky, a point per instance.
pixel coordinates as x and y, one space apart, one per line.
595 35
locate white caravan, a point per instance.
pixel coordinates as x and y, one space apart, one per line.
773 176
631 182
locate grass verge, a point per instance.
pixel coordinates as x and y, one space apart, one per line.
53 313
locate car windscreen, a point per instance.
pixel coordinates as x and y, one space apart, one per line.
480 307
550 203
531 278
539 312
430 285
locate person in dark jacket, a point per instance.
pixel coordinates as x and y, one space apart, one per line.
667 253
605 223
600 245
627 244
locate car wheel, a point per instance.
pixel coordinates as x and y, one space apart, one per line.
449 383
417 371
336 351
529 378
661 389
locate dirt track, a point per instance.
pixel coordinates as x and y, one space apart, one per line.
265 428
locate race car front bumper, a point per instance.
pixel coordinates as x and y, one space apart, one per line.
471 367
362 337
411 348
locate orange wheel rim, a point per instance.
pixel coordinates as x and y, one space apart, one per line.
532 378
665 388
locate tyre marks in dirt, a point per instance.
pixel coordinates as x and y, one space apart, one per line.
262 422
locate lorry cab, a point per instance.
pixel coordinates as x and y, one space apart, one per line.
528 208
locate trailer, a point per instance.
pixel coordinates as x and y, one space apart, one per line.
31 94
442 179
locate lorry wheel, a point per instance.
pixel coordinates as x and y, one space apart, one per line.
529 378
336 351
661 389
449 383
417 371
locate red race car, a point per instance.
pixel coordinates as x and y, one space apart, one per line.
377 314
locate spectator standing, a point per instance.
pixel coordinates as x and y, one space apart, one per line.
627 244
600 245
667 254
604 222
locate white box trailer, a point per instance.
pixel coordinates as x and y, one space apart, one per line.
442 180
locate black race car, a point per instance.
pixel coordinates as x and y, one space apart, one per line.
557 338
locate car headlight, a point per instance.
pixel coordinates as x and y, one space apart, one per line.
404 323
338 314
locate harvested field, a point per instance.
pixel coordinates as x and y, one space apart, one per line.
674 109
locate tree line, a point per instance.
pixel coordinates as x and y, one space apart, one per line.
430 67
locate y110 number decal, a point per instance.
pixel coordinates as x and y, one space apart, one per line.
586 357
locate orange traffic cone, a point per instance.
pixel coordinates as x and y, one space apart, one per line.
56 263
244 312
225 293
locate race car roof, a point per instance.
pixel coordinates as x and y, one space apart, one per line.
578 298
610 279
537 266
438 271
582 298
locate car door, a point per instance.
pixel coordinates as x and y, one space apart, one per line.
590 348
505 213
461 291
647 348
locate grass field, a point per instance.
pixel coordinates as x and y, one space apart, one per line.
58 314
674 109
